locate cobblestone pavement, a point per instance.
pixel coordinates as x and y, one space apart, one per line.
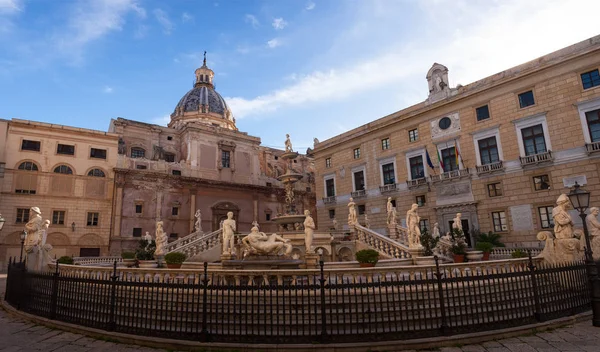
20 335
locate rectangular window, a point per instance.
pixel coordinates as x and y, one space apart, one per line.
173 235
546 220
169 138
593 121
30 145
417 170
92 219
590 79
328 162
175 211
58 217
499 220
385 144
533 140
268 216
483 113
361 209
138 208
141 167
169 157
22 215
225 159
494 189
541 183
394 203
449 159
388 174
424 225
65 149
98 153
420 200
331 213
176 172
137 232
330 187
356 153
488 150
413 135
526 99
359 181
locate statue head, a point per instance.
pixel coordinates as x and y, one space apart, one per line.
562 199
307 212
389 199
351 200
287 135
35 210
458 215
254 229
230 215
159 224
415 206
594 211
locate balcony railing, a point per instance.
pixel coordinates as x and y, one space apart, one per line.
592 147
536 158
358 194
489 168
329 200
451 175
416 183
388 188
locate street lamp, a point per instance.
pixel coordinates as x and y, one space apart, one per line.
23 236
580 200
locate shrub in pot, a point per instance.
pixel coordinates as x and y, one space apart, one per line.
145 254
486 248
428 242
367 257
175 259
490 237
459 246
65 259
128 258
518 253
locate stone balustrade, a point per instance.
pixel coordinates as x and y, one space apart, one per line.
489 168
384 245
451 175
184 241
97 260
536 158
505 252
197 244
402 235
593 147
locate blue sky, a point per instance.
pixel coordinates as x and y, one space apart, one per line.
311 68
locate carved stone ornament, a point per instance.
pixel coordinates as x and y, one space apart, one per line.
445 125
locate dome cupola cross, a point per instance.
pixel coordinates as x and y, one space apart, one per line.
204 75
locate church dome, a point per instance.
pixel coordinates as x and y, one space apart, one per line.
203 104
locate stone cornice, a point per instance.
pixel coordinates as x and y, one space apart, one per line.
31 125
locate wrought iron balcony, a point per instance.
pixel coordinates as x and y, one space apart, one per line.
592 147
536 158
451 175
358 194
329 200
388 188
412 184
489 168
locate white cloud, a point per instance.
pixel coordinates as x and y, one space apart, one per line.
107 89
480 42
141 31
248 18
141 12
279 23
273 43
11 6
311 5
163 18
163 120
186 17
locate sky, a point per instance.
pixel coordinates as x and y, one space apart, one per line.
310 68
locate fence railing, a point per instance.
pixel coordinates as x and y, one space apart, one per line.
392 187
314 308
536 158
593 147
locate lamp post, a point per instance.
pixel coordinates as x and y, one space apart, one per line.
23 236
580 200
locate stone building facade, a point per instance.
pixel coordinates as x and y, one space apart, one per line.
65 171
509 145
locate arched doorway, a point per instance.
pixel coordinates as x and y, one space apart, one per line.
219 213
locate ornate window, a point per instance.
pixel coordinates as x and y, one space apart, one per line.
137 152
499 221
417 169
533 140
359 180
488 150
330 187
546 220
96 173
449 159
389 176
28 165
26 182
227 153
593 123
63 169
225 159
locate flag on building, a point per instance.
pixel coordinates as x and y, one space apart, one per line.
440 160
458 157
429 163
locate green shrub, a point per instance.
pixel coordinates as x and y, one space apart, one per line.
145 250
175 258
428 242
518 253
484 247
367 256
459 245
128 255
65 259
490 237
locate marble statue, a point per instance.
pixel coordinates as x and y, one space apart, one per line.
457 223
255 224
288 144
259 243
228 234
335 223
594 230
565 244
412 223
148 237
198 223
161 239
309 229
315 142
367 222
436 230
391 217
352 217
36 249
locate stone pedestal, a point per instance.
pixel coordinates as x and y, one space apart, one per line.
311 261
416 251
225 257
393 232
262 262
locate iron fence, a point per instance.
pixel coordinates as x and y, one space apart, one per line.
311 309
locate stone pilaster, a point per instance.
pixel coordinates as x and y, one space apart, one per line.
192 212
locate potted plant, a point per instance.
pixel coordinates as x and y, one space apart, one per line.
459 246
517 254
175 259
486 248
367 257
428 242
145 254
65 259
128 259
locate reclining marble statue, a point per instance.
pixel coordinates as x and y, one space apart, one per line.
259 243
565 244
36 249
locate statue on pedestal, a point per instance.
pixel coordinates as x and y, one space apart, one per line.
228 234
367 222
309 229
352 217
457 222
36 249
335 223
288 144
161 239
259 243
391 218
565 244
198 223
594 230
436 230
412 223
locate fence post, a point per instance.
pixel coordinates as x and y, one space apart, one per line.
204 335
324 336
537 314
438 275
7 289
54 298
112 322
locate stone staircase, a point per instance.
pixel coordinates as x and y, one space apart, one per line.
391 248
195 243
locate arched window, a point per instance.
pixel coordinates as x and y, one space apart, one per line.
96 173
138 152
63 169
28 165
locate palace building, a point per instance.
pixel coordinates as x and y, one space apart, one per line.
499 150
104 190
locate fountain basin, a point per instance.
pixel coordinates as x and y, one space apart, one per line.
289 178
289 155
289 219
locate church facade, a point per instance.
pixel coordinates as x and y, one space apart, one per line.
499 150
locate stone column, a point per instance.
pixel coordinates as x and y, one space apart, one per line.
193 211
255 202
159 201
118 211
